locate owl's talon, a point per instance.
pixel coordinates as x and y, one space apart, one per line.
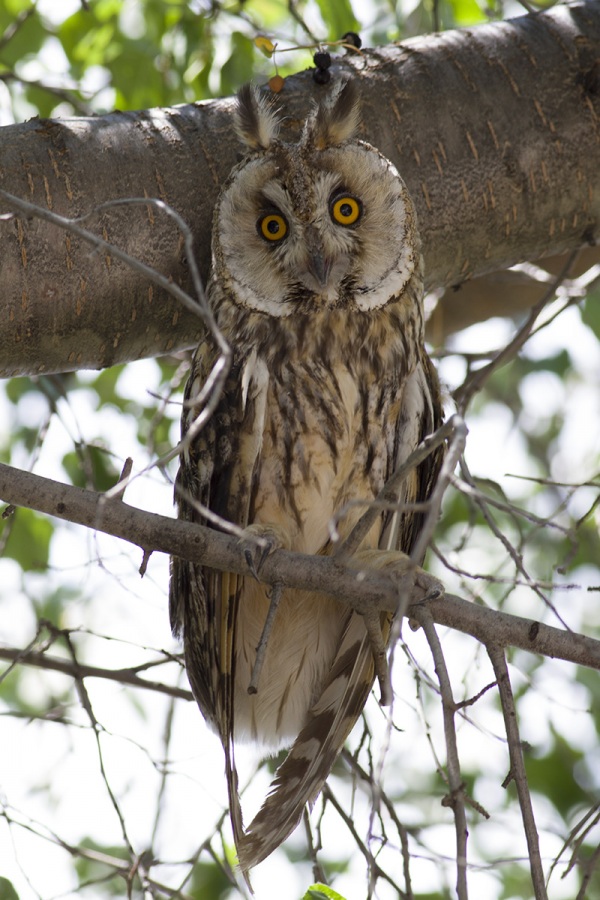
259 541
372 622
255 557
250 563
436 592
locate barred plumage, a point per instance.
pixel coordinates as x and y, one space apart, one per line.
317 286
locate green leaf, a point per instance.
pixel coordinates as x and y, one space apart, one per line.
105 386
590 312
467 12
29 536
240 65
17 387
7 891
321 892
552 775
91 467
90 870
25 42
208 881
339 17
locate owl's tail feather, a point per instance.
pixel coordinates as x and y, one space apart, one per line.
235 809
301 776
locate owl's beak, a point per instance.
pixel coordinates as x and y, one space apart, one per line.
319 266
321 272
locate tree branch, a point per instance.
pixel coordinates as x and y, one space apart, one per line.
456 798
494 130
517 767
364 591
80 670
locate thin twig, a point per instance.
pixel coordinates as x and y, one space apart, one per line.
122 676
370 859
476 380
517 767
261 650
379 795
210 393
97 729
164 770
456 797
453 454
317 870
512 552
389 492
575 838
121 485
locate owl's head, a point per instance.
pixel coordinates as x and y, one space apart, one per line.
325 222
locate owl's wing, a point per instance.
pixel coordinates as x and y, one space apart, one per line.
301 776
421 415
215 479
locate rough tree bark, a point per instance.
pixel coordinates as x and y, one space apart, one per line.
495 130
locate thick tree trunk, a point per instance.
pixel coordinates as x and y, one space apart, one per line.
496 131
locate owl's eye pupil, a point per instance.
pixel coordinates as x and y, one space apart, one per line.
345 209
272 227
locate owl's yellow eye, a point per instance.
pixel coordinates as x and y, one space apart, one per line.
273 227
345 210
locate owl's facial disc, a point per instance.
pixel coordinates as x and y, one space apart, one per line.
299 230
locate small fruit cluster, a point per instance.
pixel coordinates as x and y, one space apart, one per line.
322 59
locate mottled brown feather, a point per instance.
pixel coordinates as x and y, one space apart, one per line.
329 392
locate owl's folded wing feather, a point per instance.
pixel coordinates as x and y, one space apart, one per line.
216 474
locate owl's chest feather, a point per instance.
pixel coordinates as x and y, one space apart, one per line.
325 441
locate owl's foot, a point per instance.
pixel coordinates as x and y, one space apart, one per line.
414 585
258 542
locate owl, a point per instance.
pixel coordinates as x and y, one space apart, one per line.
317 287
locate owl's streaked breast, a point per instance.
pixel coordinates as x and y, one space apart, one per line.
323 454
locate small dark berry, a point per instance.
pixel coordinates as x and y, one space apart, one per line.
351 37
321 76
322 59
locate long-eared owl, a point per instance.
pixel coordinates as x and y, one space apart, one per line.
317 287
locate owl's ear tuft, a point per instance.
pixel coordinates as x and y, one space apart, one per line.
256 122
336 119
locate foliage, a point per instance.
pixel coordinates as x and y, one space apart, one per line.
321 892
135 756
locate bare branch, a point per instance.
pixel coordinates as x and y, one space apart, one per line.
475 382
261 649
517 767
79 670
372 863
455 450
363 591
388 495
456 798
